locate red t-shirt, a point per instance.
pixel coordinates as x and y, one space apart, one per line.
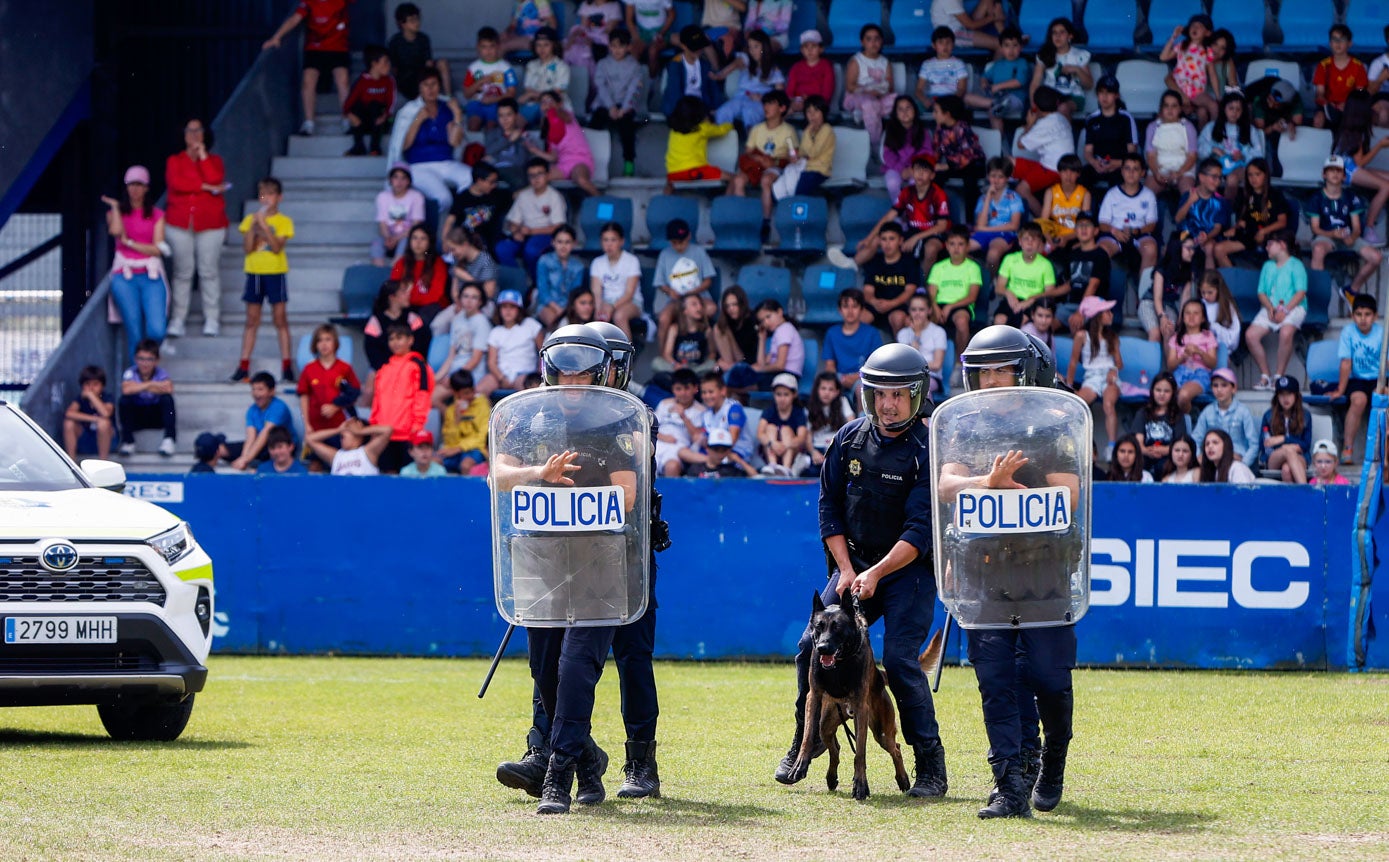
368 91
322 385
806 80
325 23
423 292
922 213
1339 82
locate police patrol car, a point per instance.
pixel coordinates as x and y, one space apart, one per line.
104 599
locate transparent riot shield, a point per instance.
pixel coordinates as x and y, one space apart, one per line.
1016 556
571 554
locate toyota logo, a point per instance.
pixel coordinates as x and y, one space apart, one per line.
59 557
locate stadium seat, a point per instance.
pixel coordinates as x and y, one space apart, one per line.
1244 289
1164 15
947 368
737 225
848 170
857 216
804 16
820 288
1323 364
1302 157
304 350
1036 15
1243 19
1142 83
438 352
811 365
1366 19
1110 29
1262 67
578 88
1092 102
1061 346
360 284
1140 357
990 139
1304 25
910 23
1318 302
845 19
600 143
664 209
722 153
765 282
512 278
596 212
800 222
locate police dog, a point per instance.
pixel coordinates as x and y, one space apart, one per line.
845 681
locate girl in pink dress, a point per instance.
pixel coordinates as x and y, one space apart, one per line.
1190 47
566 148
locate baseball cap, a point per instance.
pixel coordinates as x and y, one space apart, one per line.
786 379
677 228
1334 161
1093 305
137 174
720 437
1087 216
811 36
511 296
422 437
400 166
1287 383
207 444
1225 374
1324 447
1282 92
1108 83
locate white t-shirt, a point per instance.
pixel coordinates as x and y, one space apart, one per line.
353 462
1129 213
943 14
1377 67
649 14
613 276
1063 83
942 76
670 424
538 211
493 73
467 334
1050 138
516 350
931 339
399 214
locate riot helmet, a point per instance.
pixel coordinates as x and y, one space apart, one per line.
574 349
1001 346
1046 363
894 366
620 371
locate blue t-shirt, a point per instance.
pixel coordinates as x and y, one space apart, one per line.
296 467
1361 350
432 140
1002 210
1335 214
1002 71
275 413
849 352
1206 215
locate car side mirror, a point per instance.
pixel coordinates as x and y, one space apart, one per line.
105 474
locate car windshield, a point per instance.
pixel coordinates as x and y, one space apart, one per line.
29 461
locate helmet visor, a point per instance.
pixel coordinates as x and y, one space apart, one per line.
570 359
991 375
892 406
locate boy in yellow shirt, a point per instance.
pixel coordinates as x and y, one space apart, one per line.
264 234
771 145
464 428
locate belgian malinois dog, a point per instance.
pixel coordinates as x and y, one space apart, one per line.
845 682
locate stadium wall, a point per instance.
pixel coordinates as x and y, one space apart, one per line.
1183 576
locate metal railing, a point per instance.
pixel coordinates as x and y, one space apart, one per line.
30 297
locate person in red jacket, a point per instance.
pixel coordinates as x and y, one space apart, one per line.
401 396
426 272
369 106
325 50
195 225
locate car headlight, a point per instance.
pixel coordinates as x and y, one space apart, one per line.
173 545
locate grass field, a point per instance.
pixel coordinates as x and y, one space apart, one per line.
346 759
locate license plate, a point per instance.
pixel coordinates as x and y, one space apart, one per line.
60 630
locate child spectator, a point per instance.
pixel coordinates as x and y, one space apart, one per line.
972 30
265 414
1048 135
682 269
1220 459
411 53
1335 77
905 137
1004 82
828 411
811 75
368 107
422 462
1275 107
687 148
480 206
1192 354
432 129
812 165
1170 147
1110 133
772 17
1184 468
926 212
513 345
566 148
489 80
1231 140
679 419
1229 417
1188 47
464 431
1260 210
648 29
689 75
784 430
1062 202
210 448
868 84
281 462
392 306
1128 464
926 337
527 17
1087 270
1024 277
953 286
758 75
890 278
1379 77
1286 432
587 41
1171 281
468 332
137 270
421 267
579 308
1283 297
943 74
325 50
401 397
1043 323
959 155
1221 310
557 275
1335 213
398 209
783 349
362 447
1358 351
687 343
846 346
89 423
723 414
735 331
1204 214
617 83
1062 67
1160 423
1221 75
265 233
721 461
546 73
1129 218
328 387
998 214
147 400
1357 149
615 278
1324 465
770 146
472 267
507 147
1096 351
536 214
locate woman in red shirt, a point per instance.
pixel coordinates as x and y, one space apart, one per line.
428 275
196 225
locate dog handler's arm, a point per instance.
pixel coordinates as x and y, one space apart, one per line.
914 542
832 527
838 547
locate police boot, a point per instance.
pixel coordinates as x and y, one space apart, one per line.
642 779
559 780
591 766
528 773
786 769
1056 715
930 770
1010 796
1031 765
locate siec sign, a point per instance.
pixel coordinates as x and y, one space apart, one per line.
1164 573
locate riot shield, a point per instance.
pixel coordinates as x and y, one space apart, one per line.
1014 557
571 555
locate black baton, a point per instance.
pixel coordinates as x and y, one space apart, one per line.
501 648
940 665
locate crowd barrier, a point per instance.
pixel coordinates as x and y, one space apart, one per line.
1183 576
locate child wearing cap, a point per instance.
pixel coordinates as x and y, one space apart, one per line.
1230 416
720 461
422 464
1286 432
210 448
513 345
810 75
1324 465
1358 350
1096 350
784 431
1110 132
1337 216
1283 301
398 209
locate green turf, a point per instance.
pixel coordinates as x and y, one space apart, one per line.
345 759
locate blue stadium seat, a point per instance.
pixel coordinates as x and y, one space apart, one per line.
360 284
910 23
1061 346
1323 364
1304 25
512 278
1244 288
846 17
438 352
1036 15
1243 19
1318 302
858 214
1302 157
662 210
1110 28
812 363
737 225
1366 19
804 16
765 282
304 351
820 288
596 212
1140 357
1164 15
801 221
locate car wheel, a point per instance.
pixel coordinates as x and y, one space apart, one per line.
146 720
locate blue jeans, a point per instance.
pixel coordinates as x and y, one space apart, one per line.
512 253
143 304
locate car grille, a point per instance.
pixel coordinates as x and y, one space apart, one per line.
93 579
79 664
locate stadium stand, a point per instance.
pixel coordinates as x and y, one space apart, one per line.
596 212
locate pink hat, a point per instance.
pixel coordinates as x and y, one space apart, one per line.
137 174
1225 374
1093 305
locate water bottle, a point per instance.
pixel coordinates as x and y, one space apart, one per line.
1143 378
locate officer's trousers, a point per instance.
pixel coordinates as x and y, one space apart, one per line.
906 603
566 665
1050 655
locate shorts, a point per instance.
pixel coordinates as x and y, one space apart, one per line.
985 238
809 182
1147 315
1341 245
753 170
1036 175
1013 318
265 288
1007 104
1294 319
1097 381
453 463
666 452
694 175
1185 374
969 309
1356 384
477 109
324 62
647 36
1130 248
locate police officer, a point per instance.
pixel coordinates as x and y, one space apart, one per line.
1005 659
875 521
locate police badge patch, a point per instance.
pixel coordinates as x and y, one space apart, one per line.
855 467
626 443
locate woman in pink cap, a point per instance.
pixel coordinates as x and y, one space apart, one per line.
196 179
1096 351
137 274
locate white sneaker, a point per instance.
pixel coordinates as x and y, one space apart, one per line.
166 447
211 330
835 254
175 330
306 130
127 449
800 464
769 470
346 126
168 349
1108 452
1264 384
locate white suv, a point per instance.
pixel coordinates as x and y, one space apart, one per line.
104 599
